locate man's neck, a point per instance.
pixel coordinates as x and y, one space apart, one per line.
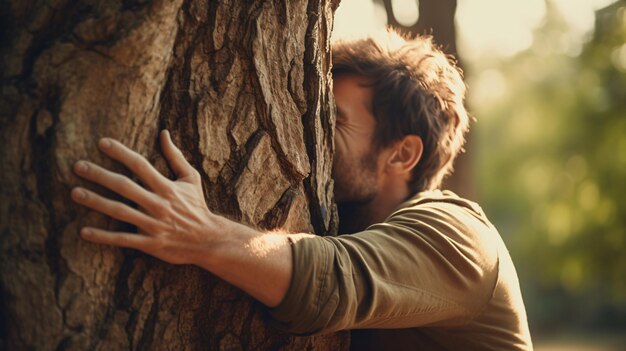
354 217
357 216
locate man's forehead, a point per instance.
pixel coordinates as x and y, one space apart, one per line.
355 87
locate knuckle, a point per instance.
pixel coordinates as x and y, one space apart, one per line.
92 170
138 162
161 209
159 244
117 212
151 229
124 184
168 192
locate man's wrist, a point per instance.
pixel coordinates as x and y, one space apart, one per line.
219 234
256 262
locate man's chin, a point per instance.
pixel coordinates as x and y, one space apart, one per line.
355 196
353 201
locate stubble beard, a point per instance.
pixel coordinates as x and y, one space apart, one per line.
355 189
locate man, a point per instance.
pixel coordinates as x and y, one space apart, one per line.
424 269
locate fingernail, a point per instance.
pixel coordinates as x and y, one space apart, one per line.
85 232
105 143
79 194
81 166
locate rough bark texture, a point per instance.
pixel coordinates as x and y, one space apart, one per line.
243 86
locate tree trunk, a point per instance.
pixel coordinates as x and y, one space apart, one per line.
242 86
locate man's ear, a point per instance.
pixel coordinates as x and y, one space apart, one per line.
405 155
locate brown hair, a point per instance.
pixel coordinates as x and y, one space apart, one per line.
417 90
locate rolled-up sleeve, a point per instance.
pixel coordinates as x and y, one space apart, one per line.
425 265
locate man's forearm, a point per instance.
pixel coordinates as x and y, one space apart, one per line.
259 263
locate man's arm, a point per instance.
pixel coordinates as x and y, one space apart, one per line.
424 265
176 226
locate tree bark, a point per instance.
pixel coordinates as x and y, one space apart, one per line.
244 89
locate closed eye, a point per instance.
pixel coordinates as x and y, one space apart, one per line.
340 117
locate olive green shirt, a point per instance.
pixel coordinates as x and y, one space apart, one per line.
435 275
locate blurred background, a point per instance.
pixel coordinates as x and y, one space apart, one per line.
547 156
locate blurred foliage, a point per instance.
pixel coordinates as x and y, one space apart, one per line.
551 150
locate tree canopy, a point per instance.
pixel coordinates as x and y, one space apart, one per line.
552 167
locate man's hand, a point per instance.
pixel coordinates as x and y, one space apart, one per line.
175 225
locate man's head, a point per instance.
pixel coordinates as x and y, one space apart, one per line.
415 95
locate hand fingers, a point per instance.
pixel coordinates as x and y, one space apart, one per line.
114 209
116 182
135 162
121 239
175 157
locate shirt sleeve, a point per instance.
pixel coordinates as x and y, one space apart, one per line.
433 264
